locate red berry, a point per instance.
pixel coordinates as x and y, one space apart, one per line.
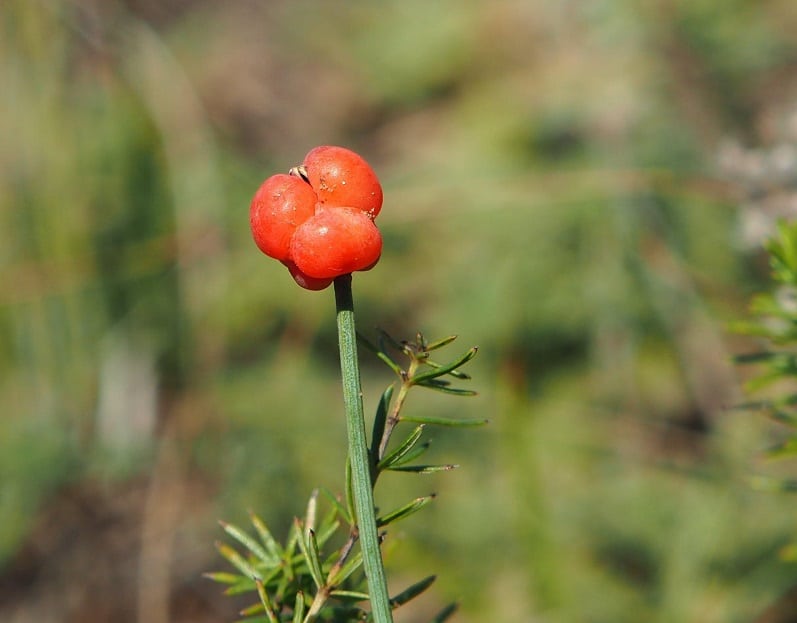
335 242
307 282
342 178
318 221
280 205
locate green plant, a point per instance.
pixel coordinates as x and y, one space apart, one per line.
775 323
331 563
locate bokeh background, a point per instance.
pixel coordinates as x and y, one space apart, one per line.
580 188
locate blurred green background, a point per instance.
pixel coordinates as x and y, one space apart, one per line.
580 188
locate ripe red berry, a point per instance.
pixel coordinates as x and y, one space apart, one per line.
280 205
340 177
335 242
319 220
306 281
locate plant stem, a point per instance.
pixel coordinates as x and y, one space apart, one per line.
358 453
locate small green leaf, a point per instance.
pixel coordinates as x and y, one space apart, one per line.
328 531
444 386
352 564
349 492
309 547
445 613
249 543
440 343
380 419
310 513
455 373
355 595
440 421
237 561
446 368
265 536
412 592
246 585
264 599
396 455
391 364
252 610
423 469
405 511
413 454
298 609
223 578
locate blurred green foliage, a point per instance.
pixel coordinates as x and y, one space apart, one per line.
572 186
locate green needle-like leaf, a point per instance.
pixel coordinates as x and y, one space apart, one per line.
455 373
440 421
423 469
352 564
412 592
222 577
237 561
349 492
311 512
265 536
328 531
444 386
266 601
413 454
355 595
405 511
407 445
252 610
391 364
380 419
445 613
249 543
440 343
245 585
446 368
298 609
309 547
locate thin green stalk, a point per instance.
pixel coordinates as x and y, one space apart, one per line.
358 453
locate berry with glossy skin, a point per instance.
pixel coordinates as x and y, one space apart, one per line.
341 177
319 220
335 242
280 205
306 281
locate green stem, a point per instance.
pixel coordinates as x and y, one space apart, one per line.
358 453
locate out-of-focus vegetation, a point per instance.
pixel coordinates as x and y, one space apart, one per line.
580 188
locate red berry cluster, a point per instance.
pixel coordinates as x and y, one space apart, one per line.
319 219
